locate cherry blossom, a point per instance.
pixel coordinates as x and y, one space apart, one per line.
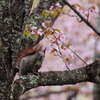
52 39
62 38
44 25
71 55
33 30
51 7
40 32
58 5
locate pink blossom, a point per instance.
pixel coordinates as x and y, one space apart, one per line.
64 48
78 9
44 25
26 30
71 55
86 12
52 39
51 7
33 32
58 5
51 22
91 10
62 38
40 32
34 28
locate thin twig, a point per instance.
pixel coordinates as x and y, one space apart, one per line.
83 19
59 53
78 56
63 58
75 53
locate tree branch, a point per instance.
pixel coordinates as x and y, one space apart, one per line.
90 73
82 18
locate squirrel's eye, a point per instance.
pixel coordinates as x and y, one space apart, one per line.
38 53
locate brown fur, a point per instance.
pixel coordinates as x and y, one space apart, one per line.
30 60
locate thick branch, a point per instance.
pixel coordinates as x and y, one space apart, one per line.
88 73
82 18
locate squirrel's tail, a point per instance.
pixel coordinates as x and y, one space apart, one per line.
29 51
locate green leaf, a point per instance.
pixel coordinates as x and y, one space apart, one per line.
27 33
36 36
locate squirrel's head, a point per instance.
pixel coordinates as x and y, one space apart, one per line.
39 58
41 53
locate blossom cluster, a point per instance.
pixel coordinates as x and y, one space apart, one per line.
87 11
57 5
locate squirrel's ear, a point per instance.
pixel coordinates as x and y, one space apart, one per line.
40 48
44 50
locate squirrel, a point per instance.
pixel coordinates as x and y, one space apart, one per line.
30 60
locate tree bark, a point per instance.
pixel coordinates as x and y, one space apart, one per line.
13 15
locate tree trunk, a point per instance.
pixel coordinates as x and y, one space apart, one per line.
13 15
